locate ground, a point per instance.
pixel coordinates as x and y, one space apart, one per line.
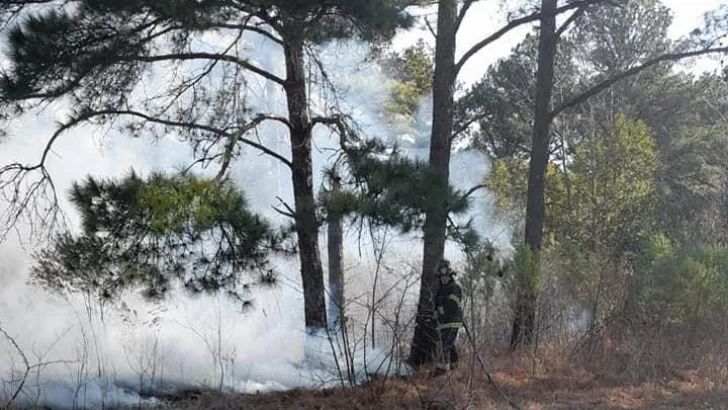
573 390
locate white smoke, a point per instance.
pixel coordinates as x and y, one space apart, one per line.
206 341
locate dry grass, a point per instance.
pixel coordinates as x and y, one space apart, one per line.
562 388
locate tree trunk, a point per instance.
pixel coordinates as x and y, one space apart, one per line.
440 145
312 275
523 323
336 260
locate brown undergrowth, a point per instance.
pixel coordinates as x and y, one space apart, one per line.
533 384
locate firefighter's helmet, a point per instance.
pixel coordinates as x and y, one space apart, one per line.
444 269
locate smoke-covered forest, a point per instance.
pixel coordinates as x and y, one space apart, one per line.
267 204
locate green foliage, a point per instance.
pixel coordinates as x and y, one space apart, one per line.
645 156
681 284
508 179
608 41
689 183
692 181
95 55
97 50
503 98
598 209
322 21
526 268
501 103
607 189
386 187
149 233
382 186
412 72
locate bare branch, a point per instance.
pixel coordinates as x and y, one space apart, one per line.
475 189
202 161
210 56
332 120
191 125
335 123
517 23
289 212
238 137
187 84
570 20
599 87
284 213
17 348
14 176
462 13
254 28
464 127
276 118
430 28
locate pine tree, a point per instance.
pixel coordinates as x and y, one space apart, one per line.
93 54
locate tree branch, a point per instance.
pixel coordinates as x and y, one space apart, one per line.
335 122
475 189
211 56
248 27
17 174
23 357
514 24
462 13
570 20
597 88
289 212
430 28
13 176
238 137
332 120
276 118
191 125
464 127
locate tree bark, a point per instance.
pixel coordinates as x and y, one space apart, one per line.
336 260
312 276
440 146
524 320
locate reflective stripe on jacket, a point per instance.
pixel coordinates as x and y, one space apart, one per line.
448 306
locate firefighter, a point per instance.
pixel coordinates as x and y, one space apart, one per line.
449 315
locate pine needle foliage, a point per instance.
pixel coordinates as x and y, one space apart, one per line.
150 233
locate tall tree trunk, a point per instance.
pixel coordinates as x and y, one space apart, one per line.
312 275
524 320
440 145
336 259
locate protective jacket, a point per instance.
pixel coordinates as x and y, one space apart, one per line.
448 306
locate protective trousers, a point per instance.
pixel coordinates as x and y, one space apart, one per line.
448 352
